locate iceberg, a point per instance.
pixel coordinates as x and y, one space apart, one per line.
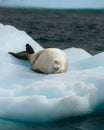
29 96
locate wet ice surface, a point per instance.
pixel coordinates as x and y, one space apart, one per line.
29 96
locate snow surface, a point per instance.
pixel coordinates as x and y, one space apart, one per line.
29 96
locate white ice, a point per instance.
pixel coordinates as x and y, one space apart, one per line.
29 96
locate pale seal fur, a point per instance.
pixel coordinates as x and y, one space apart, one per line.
49 61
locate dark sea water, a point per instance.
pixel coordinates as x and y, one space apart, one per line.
77 123
62 29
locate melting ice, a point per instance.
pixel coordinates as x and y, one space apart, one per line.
29 96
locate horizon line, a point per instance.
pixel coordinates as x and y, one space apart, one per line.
49 8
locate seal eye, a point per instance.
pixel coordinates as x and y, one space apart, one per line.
29 49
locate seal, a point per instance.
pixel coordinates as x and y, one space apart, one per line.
48 61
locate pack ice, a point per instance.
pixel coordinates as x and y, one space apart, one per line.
29 96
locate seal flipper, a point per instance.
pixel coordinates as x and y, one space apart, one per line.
29 49
20 55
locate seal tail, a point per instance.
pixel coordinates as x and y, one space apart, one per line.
20 55
23 54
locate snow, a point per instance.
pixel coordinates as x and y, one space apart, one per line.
29 96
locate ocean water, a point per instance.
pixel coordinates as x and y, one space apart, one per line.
62 29
76 123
